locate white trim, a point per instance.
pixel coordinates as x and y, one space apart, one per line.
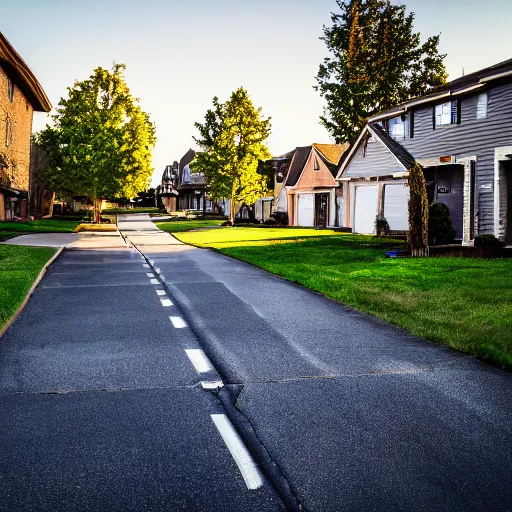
496 77
499 156
435 161
466 198
386 115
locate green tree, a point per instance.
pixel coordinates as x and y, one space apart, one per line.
232 142
377 62
417 236
101 142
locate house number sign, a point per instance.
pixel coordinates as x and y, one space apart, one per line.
443 190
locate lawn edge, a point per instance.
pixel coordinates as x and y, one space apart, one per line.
487 360
38 279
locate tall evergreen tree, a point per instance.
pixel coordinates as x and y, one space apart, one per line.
377 62
232 142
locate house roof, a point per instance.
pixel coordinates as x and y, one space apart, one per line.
297 164
394 147
19 72
461 85
185 160
331 152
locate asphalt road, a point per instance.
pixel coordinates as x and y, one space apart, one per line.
356 414
102 407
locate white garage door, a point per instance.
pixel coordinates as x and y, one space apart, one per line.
396 198
366 209
306 210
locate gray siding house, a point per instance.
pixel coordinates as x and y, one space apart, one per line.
461 135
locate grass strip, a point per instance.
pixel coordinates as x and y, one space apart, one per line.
178 226
462 303
19 268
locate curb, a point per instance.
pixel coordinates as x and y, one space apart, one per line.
30 292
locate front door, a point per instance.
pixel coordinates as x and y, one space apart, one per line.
321 210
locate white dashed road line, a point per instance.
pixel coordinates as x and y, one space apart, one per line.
150 274
178 322
155 281
199 360
166 302
211 384
160 292
145 265
239 452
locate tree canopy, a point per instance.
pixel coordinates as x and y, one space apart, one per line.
377 62
101 141
232 142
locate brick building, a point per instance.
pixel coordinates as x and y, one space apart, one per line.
20 95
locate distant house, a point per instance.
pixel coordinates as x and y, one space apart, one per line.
20 95
307 193
462 137
191 186
166 192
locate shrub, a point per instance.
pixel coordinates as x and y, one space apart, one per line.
381 226
280 218
488 242
440 227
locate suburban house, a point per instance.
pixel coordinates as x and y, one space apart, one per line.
166 191
191 186
307 193
461 135
20 95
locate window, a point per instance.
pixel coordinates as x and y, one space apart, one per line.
444 114
10 90
481 106
447 113
8 132
397 127
316 165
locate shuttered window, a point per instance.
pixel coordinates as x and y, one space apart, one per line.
481 106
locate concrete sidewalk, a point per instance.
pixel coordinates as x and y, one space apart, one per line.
86 240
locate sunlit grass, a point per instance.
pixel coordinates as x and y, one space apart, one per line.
177 226
463 303
19 267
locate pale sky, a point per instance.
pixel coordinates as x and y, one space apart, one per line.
181 53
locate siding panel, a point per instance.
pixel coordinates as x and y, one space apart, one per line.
376 160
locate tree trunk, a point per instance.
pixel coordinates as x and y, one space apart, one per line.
232 208
96 210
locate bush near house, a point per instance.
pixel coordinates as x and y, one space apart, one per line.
463 303
440 227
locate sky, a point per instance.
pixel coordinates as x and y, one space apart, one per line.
181 53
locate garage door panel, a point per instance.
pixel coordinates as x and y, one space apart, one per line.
396 198
365 209
306 210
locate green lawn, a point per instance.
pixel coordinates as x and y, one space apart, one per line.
126 211
19 267
9 229
462 303
177 226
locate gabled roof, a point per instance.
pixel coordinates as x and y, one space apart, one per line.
457 87
331 152
405 159
18 71
297 164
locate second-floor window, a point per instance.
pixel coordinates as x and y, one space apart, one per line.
10 90
447 113
397 128
8 132
481 106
